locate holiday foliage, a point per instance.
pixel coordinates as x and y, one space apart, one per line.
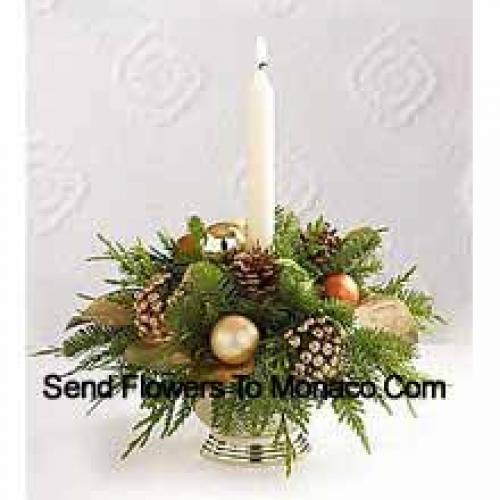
166 299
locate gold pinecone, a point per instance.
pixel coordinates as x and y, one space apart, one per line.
149 307
318 346
255 271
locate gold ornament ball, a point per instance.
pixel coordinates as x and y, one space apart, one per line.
342 287
234 339
224 236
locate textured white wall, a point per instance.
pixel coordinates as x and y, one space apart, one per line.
136 120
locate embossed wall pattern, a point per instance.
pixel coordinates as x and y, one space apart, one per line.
136 113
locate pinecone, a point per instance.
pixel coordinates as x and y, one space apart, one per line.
318 345
255 271
321 245
149 306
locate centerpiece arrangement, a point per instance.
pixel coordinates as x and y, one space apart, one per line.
252 324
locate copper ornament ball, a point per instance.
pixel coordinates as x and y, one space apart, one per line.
234 339
342 287
186 243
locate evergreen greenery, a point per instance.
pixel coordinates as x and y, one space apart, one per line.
206 292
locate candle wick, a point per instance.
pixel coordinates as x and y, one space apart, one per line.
261 54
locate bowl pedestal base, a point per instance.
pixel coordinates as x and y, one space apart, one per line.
259 450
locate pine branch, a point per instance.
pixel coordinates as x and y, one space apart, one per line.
282 435
116 386
373 353
87 338
351 412
357 255
206 295
50 350
161 412
147 425
183 412
165 254
287 234
136 263
96 346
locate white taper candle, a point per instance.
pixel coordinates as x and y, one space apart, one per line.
261 153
